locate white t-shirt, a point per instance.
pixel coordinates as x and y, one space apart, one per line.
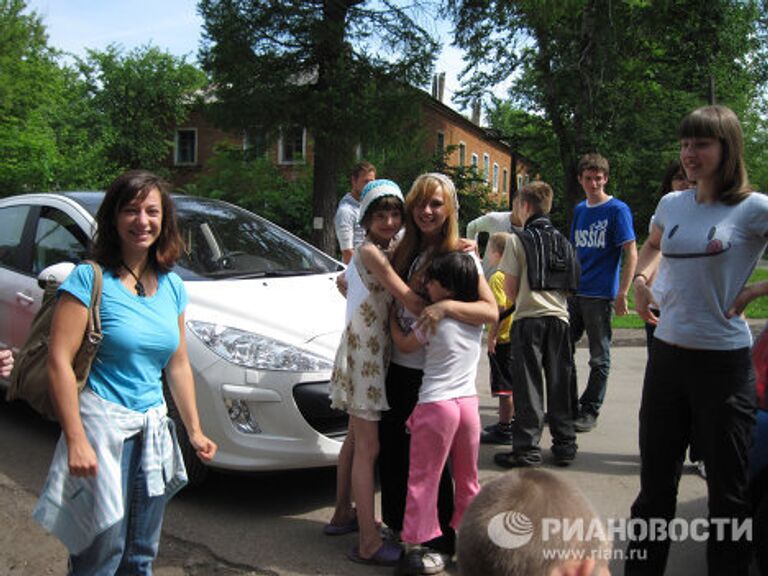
711 250
450 367
349 233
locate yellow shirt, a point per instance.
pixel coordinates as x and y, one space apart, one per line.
497 287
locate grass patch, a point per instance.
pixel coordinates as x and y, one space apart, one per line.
757 309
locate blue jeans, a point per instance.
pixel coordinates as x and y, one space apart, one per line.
593 316
130 546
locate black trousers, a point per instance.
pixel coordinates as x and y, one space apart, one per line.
710 393
541 361
394 451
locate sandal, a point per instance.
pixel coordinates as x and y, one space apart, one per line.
387 555
332 529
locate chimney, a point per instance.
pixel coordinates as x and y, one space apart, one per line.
438 86
476 112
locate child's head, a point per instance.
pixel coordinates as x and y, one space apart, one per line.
381 209
721 123
453 275
538 195
496 244
503 530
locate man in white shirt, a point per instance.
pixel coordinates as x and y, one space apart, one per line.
489 223
349 233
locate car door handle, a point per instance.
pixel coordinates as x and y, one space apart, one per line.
25 298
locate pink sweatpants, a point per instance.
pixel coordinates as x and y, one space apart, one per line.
439 429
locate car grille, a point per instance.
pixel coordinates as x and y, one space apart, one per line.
314 404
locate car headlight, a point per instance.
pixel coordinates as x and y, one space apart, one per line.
256 351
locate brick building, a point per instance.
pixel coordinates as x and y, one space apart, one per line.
467 144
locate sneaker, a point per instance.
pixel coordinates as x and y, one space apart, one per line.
420 560
585 422
497 434
563 457
512 460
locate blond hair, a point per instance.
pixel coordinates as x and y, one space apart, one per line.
539 195
422 190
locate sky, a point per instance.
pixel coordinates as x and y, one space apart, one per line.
172 25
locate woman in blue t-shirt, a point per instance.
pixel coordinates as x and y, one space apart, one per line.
699 376
117 462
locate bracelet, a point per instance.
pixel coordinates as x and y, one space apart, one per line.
640 275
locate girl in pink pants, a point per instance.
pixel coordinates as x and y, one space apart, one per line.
446 421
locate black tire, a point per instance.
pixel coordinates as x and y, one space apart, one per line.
197 472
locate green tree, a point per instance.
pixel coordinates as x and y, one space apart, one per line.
614 78
340 68
140 96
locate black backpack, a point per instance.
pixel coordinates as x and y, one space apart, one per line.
551 258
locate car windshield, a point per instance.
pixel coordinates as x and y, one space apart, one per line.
224 241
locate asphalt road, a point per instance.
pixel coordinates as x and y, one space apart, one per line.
271 523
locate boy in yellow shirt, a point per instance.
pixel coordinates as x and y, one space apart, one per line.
499 349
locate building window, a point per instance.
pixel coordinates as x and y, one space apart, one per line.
486 167
504 181
292 145
495 177
519 181
440 147
255 142
474 162
462 154
185 153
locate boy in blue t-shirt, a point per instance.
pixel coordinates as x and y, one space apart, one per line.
602 231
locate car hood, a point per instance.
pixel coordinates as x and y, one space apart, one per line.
305 311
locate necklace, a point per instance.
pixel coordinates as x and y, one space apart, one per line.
139 287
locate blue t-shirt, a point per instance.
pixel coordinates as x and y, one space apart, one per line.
598 233
140 336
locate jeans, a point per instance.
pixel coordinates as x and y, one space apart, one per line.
710 393
130 546
541 345
439 430
394 450
593 316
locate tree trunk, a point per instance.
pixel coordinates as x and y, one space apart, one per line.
324 197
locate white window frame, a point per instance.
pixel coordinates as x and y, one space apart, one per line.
495 177
475 160
281 151
504 176
176 160
487 167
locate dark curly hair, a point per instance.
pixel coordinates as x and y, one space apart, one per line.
130 185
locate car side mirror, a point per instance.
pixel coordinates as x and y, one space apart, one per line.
55 274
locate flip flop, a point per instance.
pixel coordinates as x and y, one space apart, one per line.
341 529
387 555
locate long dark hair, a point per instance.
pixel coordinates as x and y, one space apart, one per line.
126 187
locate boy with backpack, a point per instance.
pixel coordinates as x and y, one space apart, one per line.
540 268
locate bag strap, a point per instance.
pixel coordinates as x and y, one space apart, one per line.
93 331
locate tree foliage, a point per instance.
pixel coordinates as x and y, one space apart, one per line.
140 96
340 68
614 78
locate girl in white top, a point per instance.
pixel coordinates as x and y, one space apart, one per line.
446 421
357 381
699 375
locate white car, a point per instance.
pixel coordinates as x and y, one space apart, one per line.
263 321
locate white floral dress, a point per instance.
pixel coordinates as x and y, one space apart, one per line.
357 381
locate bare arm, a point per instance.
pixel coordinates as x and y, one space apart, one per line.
747 294
406 343
647 264
182 387
627 270
378 264
346 255
67 330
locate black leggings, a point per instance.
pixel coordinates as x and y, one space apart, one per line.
710 393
